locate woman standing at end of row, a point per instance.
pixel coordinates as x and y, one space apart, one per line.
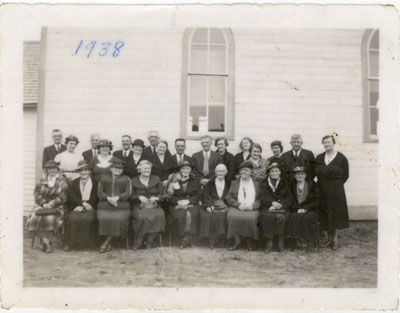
332 170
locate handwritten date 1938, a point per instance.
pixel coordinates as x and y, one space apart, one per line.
100 48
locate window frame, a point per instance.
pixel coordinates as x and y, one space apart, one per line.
229 108
365 68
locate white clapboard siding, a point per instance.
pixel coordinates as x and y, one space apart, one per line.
29 157
31 60
31 71
286 81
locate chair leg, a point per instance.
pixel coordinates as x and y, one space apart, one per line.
127 240
33 241
160 236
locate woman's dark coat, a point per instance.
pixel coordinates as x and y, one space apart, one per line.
331 179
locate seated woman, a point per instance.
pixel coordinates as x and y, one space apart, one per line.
302 224
83 202
114 210
184 211
148 217
275 202
102 161
243 201
69 159
48 211
259 164
213 213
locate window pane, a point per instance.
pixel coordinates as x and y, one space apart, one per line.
374 43
197 118
217 59
373 63
198 89
216 119
373 92
374 116
198 61
217 36
216 89
200 36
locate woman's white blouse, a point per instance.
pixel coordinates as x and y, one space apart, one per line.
220 185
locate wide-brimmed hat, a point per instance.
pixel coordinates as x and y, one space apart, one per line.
118 163
273 165
104 143
185 163
247 164
83 165
299 169
51 163
138 142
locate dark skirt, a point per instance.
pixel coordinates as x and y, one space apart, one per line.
178 217
80 226
273 223
333 205
148 221
113 221
242 223
303 226
212 225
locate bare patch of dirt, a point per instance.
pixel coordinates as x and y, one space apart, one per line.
354 265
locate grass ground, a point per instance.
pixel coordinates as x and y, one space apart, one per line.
354 265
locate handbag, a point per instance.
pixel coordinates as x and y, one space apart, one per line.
45 212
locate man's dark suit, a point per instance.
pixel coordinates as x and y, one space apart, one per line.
50 152
88 155
198 161
305 158
130 166
185 158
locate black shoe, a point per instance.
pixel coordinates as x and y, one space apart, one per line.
211 244
235 245
334 245
268 247
326 244
184 243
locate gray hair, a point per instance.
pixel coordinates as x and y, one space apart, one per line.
143 163
221 167
296 137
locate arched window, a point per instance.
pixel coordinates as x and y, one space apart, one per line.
207 82
370 73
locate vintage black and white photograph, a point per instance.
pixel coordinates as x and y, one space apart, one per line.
201 155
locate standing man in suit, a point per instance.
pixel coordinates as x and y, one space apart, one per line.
126 154
88 155
150 150
50 152
298 157
180 156
206 160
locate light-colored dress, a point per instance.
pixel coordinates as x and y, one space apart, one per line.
68 164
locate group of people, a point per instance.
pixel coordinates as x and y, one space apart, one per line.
211 194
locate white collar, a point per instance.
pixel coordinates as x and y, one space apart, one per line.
298 152
206 153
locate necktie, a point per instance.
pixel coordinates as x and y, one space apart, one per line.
125 154
205 165
57 148
180 159
94 152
